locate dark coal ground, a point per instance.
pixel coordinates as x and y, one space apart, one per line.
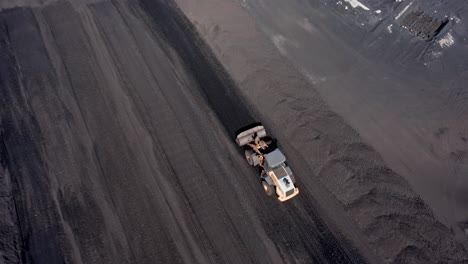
116 131
342 61
397 73
116 147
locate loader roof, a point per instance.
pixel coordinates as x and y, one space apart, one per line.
275 158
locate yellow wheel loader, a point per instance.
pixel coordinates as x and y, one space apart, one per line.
261 150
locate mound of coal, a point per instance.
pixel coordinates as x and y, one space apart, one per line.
397 223
116 147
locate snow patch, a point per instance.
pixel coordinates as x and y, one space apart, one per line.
446 41
280 43
306 25
313 78
457 20
356 3
378 11
403 11
436 54
389 29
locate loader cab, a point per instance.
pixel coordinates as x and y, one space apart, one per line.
274 159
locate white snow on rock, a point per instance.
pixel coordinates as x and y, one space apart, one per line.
436 54
389 29
403 11
314 79
306 25
356 3
457 20
378 11
280 42
446 41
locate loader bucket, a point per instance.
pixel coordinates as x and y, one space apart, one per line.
247 136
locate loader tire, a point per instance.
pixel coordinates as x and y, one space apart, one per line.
248 157
269 189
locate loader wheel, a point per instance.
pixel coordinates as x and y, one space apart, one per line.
269 190
248 157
